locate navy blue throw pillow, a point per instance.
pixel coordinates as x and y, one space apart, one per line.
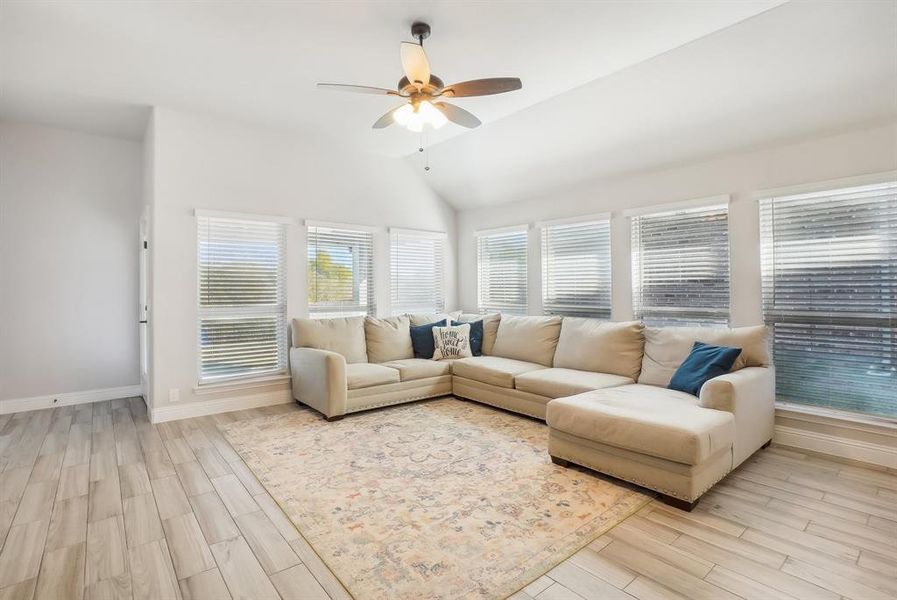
422 339
476 336
703 363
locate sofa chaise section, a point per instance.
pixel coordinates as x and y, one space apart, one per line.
656 438
672 442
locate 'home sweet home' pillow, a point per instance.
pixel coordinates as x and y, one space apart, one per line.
452 342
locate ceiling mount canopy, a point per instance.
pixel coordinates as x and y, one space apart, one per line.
421 89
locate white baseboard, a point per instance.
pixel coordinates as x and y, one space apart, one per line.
67 399
189 410
877 454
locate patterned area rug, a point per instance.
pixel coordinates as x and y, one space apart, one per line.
441 499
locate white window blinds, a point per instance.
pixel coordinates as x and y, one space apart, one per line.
501 266
242 301
417 272
340 272
576 271
680 267
829 262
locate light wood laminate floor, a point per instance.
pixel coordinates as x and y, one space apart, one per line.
95 502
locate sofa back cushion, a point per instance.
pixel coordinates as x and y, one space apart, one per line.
343 335
418 319
601 346
667 347
531 339
388 339
490 328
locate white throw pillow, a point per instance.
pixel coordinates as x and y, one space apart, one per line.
452 342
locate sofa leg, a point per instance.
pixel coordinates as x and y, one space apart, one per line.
766 445
560 461
334 418
677 503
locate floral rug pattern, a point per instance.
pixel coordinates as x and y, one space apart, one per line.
441 499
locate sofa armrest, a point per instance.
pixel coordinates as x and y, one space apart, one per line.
749 394
319 379
725 391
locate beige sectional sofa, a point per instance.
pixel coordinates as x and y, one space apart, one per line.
601 387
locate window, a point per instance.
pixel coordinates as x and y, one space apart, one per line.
576 269
680 267
501 265
829 262
417 271
242 302
340 271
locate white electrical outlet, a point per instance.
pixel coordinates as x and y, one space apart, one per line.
174 394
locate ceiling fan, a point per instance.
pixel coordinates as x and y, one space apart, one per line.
422 89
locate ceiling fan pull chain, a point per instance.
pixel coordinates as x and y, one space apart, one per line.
424 149
420 145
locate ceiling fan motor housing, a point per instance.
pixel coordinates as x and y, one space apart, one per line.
406 88
420 30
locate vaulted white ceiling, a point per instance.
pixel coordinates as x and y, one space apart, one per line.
608 86
800 70
259 61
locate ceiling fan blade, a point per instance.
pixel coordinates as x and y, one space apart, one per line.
459 116
415 63
483 87
357 89
387 119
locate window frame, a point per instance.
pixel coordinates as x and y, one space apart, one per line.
595 311
487 307
825 316
680 316
280 311
438 239
359 309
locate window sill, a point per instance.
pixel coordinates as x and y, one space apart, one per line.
827 416
239 384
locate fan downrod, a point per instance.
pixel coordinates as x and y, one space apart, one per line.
420 31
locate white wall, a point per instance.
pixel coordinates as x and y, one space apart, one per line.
202 162
863 151
69 206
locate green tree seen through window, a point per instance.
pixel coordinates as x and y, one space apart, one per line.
329 281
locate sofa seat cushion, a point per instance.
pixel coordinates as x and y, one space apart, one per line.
493 370
557 383
646 419
418 368
362 375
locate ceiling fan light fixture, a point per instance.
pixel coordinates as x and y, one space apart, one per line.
402 115
420 116
430 115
